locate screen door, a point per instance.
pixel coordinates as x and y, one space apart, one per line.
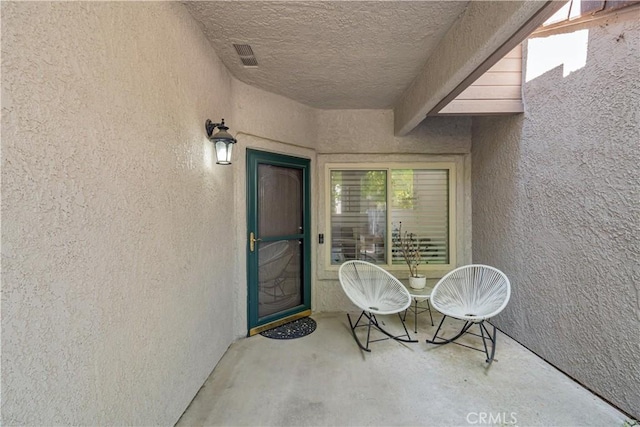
278 245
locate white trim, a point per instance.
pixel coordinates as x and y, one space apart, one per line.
602 17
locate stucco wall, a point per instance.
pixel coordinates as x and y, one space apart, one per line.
371 131
115 293
273 117
366 136
555 206
122 242
273 123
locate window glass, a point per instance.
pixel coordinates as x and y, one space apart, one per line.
421 203
417 199
358 215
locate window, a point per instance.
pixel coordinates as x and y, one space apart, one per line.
367 206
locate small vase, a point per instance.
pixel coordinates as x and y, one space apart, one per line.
418 282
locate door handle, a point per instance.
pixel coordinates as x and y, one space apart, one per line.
252 241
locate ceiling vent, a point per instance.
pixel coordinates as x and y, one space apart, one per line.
246 55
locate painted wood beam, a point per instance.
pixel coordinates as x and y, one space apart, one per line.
484 33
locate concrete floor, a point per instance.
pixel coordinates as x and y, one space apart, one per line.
323 379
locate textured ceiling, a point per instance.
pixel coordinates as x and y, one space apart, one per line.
332 55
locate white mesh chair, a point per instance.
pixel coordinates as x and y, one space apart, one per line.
376 292
272 262
472 293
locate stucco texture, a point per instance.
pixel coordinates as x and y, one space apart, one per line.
371 131
123 244
555 206
115 293
366 137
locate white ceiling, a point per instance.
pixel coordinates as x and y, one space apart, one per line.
329 54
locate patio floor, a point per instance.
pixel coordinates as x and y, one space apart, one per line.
323 379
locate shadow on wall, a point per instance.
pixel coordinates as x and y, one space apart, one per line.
590 117
555 196
499 170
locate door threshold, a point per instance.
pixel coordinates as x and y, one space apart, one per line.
276 323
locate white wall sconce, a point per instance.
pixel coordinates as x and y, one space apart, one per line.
222 141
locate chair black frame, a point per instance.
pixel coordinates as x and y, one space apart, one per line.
373 321
484 334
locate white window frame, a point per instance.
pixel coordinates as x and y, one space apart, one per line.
400 270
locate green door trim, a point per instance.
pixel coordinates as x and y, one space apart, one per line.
255 158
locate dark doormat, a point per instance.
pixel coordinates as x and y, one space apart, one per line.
295 329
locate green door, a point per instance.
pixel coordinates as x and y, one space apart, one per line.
278 239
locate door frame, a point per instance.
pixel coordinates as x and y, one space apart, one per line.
254 158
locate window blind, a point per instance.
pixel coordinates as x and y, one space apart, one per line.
361 202
420 201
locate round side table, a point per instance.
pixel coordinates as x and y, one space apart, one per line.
418 296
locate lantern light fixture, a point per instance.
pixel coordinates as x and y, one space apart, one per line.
222 141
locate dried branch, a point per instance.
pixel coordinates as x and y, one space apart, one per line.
410 249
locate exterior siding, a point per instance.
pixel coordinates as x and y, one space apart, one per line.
498 91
